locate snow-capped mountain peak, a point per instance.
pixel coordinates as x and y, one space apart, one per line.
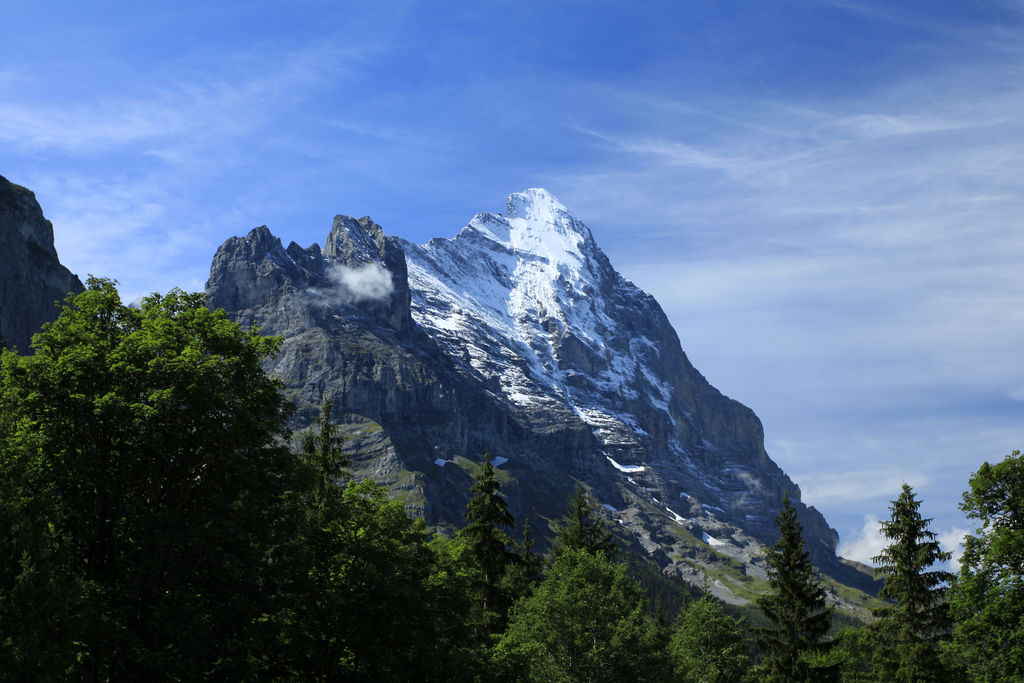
533 286
516 336
536 224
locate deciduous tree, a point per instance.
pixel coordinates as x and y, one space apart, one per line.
987 597
144 480
707 645
586 621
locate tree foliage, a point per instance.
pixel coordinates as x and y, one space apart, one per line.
795 606
987 597
154 523
321 452
911 629
586 621
144 484
580 529
707 645
487 518
370 609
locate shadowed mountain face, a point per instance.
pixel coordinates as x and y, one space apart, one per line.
31 276
518 337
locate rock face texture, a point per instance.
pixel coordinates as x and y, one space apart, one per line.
517 337
31 276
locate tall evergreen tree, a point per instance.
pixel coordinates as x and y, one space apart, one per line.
795 606
487 518
911 629
580 529
987 597
525 569
321 452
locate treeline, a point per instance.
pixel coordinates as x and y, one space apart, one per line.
157 521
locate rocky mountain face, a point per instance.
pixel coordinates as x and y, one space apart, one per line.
517 337
31 276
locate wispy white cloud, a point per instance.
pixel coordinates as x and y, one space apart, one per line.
163 112
853 265
126 195
355 284
866 543
830 487
135 229
952 541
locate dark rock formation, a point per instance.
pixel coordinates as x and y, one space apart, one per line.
31 276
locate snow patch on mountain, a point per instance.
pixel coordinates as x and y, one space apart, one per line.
711 540
629 469
520 295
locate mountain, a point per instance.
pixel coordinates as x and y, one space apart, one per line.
518 337
31 276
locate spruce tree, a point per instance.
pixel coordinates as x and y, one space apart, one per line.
487 518
525 569
795 607
580 529
911 629
321 452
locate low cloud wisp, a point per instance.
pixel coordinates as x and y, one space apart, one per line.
355 284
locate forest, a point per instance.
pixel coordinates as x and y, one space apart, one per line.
159 521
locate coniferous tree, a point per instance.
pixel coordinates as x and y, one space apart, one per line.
795 607
321 452
525 568
580 529
487 518
911 629
987 598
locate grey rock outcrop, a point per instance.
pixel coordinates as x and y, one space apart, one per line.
32 278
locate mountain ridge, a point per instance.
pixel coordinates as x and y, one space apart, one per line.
515 336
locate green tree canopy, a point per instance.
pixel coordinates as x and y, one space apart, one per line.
910 629
794 606
369 610
707 645
143 477
987 597
586 621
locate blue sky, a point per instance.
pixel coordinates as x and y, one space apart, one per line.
825 197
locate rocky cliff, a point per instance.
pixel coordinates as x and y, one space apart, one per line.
31 276
517 337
